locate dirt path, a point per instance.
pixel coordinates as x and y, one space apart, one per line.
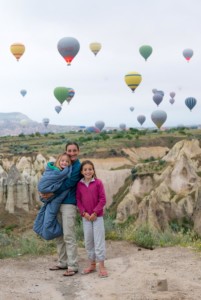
133 275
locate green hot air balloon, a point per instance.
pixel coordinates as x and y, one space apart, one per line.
145 51
61 94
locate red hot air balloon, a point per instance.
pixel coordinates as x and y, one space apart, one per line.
68 47
188 53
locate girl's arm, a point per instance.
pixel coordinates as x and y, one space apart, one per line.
101 198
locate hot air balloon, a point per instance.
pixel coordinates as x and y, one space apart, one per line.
157 97
95 47
17 50
172 95
46 121
141 119
68 47
58 108
70 95
172 101
159 117
160 92
133 79
61 93
23 92
23 122
92 129
145 51
122 126
188 53
190 102
131 108
154 91
100 125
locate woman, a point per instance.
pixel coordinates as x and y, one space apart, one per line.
67 244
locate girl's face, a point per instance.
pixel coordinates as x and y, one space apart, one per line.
73 152
64 161
87 171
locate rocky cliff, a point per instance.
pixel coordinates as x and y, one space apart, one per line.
171 193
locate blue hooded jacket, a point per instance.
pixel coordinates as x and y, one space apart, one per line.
46 224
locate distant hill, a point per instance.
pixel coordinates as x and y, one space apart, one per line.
13 116
15 123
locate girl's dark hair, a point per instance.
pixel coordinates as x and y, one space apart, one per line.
88 162
72 143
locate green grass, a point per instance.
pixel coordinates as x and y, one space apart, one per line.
111 143
12 245
28 243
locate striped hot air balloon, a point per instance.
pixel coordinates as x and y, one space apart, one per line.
17 49
190 102
132 80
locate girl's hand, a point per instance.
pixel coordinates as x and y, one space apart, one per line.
87 216
93 217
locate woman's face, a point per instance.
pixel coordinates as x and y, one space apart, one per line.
73 152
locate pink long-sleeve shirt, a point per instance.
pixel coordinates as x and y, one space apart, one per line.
91 198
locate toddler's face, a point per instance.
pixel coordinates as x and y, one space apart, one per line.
64 161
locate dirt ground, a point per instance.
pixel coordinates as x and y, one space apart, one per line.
134 274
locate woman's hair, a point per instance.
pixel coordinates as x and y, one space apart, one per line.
57 162
88 162
72 143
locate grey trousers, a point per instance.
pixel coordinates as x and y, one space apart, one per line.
67 244
94 239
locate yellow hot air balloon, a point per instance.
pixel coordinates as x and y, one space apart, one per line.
17 50
132 80
95 47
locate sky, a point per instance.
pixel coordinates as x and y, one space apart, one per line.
101 93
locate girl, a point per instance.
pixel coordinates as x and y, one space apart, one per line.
91 199
46 224
62 161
